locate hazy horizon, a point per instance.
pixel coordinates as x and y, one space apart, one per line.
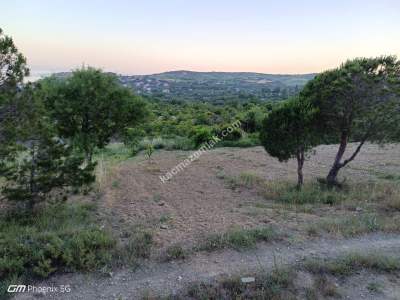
137 38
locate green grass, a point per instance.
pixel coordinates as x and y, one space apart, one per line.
350 264
238 239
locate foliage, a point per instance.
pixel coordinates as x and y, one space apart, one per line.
60 237
149 151
201 135
287 132
358 101
13 66
38 164
90 107
132 138
12 71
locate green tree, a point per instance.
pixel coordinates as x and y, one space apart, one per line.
358 102
38 164
90 107
287 133
12 71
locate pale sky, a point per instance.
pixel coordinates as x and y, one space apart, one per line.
143 37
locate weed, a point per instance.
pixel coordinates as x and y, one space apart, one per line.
277 285
374 287
238 238
351 263
175 252
355 225
59 237
138 246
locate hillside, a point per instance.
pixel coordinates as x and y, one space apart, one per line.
216 87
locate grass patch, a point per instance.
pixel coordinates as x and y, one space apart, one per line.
175 252
138 245
245 179
349 264
315 193
277 285
355 225
238 239
56 238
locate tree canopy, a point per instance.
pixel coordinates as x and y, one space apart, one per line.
287 132
90 107
359 101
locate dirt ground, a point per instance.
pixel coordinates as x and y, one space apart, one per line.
198 201
169 278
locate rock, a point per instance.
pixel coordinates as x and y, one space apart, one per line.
359 209
163 226
180 278
247 279
161 203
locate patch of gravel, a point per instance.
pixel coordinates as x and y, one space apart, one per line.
169 278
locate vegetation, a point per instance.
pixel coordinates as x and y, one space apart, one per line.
359 102
59 237
287 133
90 108
238 239
284 283
352 263
216 87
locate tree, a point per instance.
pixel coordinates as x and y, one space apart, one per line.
38 164
286 133
12 71
356 102
90 107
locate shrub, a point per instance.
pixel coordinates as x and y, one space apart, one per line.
201 135
175 252
57 238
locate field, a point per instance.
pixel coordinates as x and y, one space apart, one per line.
235 212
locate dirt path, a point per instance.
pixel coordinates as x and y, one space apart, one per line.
166 278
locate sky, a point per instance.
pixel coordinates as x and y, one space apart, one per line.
145 37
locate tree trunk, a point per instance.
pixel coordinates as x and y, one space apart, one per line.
331 179
300 163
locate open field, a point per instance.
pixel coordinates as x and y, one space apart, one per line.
231 187
234 212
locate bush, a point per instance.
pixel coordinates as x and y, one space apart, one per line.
57 238
201 135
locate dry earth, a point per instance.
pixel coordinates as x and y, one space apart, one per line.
199 201
169 278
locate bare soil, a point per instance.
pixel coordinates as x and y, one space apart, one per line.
197 202
162 279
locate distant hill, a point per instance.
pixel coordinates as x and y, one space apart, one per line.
216 87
